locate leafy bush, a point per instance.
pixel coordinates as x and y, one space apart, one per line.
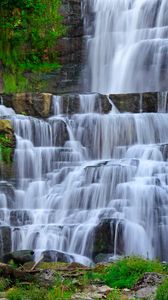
162 291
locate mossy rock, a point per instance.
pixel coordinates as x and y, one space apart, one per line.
7 147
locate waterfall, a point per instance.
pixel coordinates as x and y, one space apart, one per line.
127 45
74 172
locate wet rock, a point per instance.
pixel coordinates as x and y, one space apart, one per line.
70 104
56 256
104 238
33 104
60 132
146 102
70 50
164 150
8 191
5 240
20 218
19 257
103 258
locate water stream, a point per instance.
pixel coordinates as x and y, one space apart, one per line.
73 172
127 45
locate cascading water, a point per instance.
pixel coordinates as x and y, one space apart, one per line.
127 45
106 167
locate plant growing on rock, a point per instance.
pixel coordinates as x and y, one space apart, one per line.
29 31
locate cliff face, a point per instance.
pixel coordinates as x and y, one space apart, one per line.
70 51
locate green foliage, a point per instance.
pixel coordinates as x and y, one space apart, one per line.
5 149
162 291
4 284
32 292
126 272
115 295
29 32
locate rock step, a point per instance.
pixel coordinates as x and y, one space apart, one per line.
41 104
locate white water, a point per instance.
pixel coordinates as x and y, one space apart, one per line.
112 167
128 51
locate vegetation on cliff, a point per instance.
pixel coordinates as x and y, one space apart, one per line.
29 32
7 141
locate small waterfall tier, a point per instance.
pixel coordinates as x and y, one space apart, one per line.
127 45
89 182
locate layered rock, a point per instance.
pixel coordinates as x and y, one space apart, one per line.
71 103
33 104
70 50
135 103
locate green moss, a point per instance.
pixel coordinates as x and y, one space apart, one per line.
52 265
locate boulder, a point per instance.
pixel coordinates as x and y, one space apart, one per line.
104 239
60 132
56 256
19 257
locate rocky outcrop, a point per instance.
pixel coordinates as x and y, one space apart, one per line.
32 104
70 50
7 146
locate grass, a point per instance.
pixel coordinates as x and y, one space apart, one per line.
122 274
126 272
4 284
32 292
162 291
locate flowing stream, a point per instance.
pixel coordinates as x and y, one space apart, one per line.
74 172
127 45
